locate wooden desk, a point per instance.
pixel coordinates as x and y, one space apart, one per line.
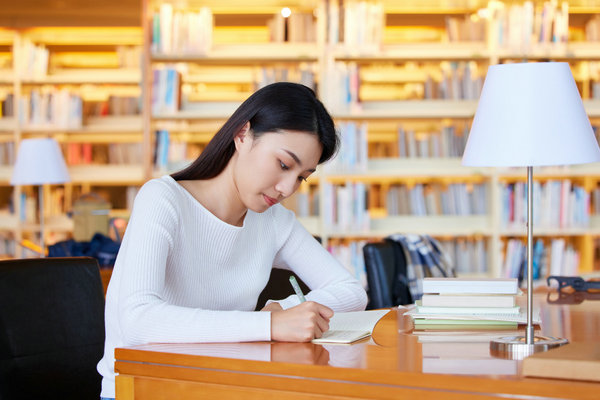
392 364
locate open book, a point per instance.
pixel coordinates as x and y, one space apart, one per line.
349 327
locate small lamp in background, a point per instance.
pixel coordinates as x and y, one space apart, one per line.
529 114
39 162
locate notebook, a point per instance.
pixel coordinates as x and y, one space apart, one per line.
348 327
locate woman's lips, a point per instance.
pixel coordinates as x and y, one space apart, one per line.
269 200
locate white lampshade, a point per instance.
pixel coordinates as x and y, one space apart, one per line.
39 162
530 114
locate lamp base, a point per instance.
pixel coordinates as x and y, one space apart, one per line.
517 348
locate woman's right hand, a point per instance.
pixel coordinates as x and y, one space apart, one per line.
301 323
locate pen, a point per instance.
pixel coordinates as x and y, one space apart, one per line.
297 289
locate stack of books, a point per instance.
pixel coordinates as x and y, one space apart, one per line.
459 302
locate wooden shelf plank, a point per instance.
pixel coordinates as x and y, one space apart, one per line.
97 76
247 54
443 225
412 109
570 51
416 51
417 168
5 174
7 124
106 124
111 174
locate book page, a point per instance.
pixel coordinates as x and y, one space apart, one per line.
351 326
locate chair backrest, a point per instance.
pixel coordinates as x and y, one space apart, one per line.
279 287
385 264
51 328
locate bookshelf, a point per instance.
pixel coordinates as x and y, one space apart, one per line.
81 86
409 68
425 43
417 69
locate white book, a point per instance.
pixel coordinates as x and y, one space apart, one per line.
435 300
471 285
468 310
348 327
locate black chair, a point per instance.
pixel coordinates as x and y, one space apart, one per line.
279 287
385 264
51 328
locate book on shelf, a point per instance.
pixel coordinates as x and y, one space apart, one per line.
471 285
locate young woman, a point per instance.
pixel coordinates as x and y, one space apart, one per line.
200 244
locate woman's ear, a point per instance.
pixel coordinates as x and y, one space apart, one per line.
243 134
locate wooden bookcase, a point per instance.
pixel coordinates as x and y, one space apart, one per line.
413 48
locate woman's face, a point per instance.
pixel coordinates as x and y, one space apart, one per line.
271 167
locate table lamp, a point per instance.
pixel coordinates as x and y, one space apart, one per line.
529 114
39 162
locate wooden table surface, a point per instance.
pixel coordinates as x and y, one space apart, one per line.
396 362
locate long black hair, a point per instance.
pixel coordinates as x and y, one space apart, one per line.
279 106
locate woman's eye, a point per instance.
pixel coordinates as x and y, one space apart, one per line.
283 166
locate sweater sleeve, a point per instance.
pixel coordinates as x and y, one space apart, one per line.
143 314
330 283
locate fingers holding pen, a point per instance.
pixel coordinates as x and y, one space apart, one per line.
301 323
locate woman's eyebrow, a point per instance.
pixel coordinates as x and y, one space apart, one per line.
295 157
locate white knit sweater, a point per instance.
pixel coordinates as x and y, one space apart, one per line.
184 275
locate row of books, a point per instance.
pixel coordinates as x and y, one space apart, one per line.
450 141
556 204
356 24
352 155
345 88
435 199
112 153
459 81
554 258
51 107
350 255
114 105
7 153
592 29
304 203
468 256
167 153
7 246
465 29
346 207
181 32
53 205
363 24
34 60
7 107
295 28
520 27
166 90
304 74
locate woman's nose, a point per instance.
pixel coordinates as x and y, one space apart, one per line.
287 185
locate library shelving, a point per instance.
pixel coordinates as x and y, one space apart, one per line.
391 68
81 86
407 74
